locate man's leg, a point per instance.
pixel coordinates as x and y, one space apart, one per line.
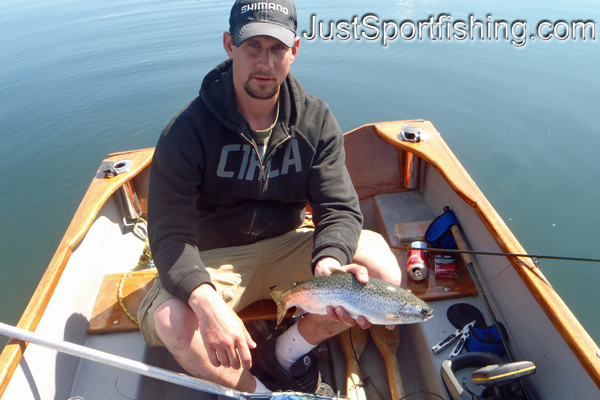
170 322
177 327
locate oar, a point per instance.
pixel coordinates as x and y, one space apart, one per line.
388 342
139 367
353 342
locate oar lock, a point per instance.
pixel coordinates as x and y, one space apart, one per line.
114 168
410 133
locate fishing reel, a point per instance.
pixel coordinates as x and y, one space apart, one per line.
501 381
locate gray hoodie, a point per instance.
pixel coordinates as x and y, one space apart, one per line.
208 189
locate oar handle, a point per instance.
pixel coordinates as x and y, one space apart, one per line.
388 342
461 243
394 377
353 343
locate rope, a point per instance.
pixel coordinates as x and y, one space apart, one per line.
144 258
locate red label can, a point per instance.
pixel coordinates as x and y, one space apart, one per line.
416 263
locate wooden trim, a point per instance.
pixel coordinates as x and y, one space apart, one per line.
436 152
116 155
97 194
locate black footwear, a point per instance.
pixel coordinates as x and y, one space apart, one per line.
302 377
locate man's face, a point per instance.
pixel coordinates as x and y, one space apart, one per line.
260 64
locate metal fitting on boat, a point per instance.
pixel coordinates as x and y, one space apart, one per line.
410 133
412 165
112 169
131 204
412 171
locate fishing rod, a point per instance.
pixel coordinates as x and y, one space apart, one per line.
145 369
501 254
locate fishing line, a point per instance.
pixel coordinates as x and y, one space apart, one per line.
116 389
491 253
368 379
501 272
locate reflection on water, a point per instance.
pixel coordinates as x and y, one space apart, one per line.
83 79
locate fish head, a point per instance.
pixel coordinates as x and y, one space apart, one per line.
412 313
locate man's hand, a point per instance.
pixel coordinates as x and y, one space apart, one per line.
225 337
323 268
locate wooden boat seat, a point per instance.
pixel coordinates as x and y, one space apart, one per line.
108 316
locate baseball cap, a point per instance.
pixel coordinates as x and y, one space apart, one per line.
275 18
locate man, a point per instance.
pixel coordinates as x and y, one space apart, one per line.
231 176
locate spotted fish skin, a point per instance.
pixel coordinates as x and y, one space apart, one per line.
381 303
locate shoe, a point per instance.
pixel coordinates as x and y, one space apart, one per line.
303 375
324 390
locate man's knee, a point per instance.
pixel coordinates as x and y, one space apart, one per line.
374 253
175 322
370 239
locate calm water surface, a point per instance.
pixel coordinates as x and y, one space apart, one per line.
81 79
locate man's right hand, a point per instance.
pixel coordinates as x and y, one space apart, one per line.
225 337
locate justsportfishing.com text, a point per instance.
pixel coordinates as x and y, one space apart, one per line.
443 28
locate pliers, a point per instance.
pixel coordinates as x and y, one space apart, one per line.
460 334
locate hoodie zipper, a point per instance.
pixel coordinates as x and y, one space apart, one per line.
263 182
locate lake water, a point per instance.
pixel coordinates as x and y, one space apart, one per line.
81 79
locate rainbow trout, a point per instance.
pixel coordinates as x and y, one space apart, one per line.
381 303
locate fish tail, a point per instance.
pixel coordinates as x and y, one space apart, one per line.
277 296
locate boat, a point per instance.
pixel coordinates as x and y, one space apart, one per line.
405 176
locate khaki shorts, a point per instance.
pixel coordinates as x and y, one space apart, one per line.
245 274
